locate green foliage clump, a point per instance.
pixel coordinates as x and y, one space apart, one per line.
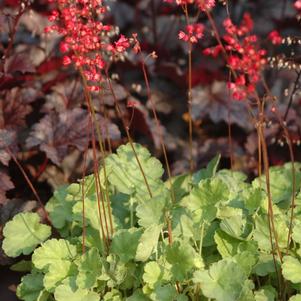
211 241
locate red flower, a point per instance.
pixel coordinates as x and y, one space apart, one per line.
275 37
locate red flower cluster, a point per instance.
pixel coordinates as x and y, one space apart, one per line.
193 33
86 38
244 57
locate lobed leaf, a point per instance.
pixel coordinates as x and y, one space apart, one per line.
23 233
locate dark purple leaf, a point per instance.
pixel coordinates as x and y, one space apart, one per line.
19 62
56 132
5 185
15 107
213 102
7 140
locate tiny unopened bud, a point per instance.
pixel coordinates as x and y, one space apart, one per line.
154 55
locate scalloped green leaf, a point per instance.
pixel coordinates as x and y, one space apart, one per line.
57 272
65 292
23 234
291 269
89 268
124 171
31 288
148 242
181 256
53 252
261 233
164 293
202 200
265 265
125 243
208 172
224 281
151 212
153 274
226 245
266 293
92 213
60 206
281 182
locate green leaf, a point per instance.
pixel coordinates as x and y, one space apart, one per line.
208 172
181 256
253 198
65 292
236 225
148 242
89 268
281 182
22 266
125 243
182 224
56 273
92 213
113 295
297 231
261 233
203 199
226 245
265 265
180 184
234 180
164 293
60 207
291 269
31 287
295 298
23 233
224 281
151 212
266 293
138 296
53 252
246 260
153 274
124 171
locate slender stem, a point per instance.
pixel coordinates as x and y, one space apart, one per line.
292 95
83 197
201 239
97 187
29 184
119 113
101 146
172 192
290 146
12 34
189 94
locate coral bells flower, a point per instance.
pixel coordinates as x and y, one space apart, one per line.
86 40
244 57
194 32
275 37
205 4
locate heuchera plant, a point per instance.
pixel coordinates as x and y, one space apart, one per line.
125 234
221 242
